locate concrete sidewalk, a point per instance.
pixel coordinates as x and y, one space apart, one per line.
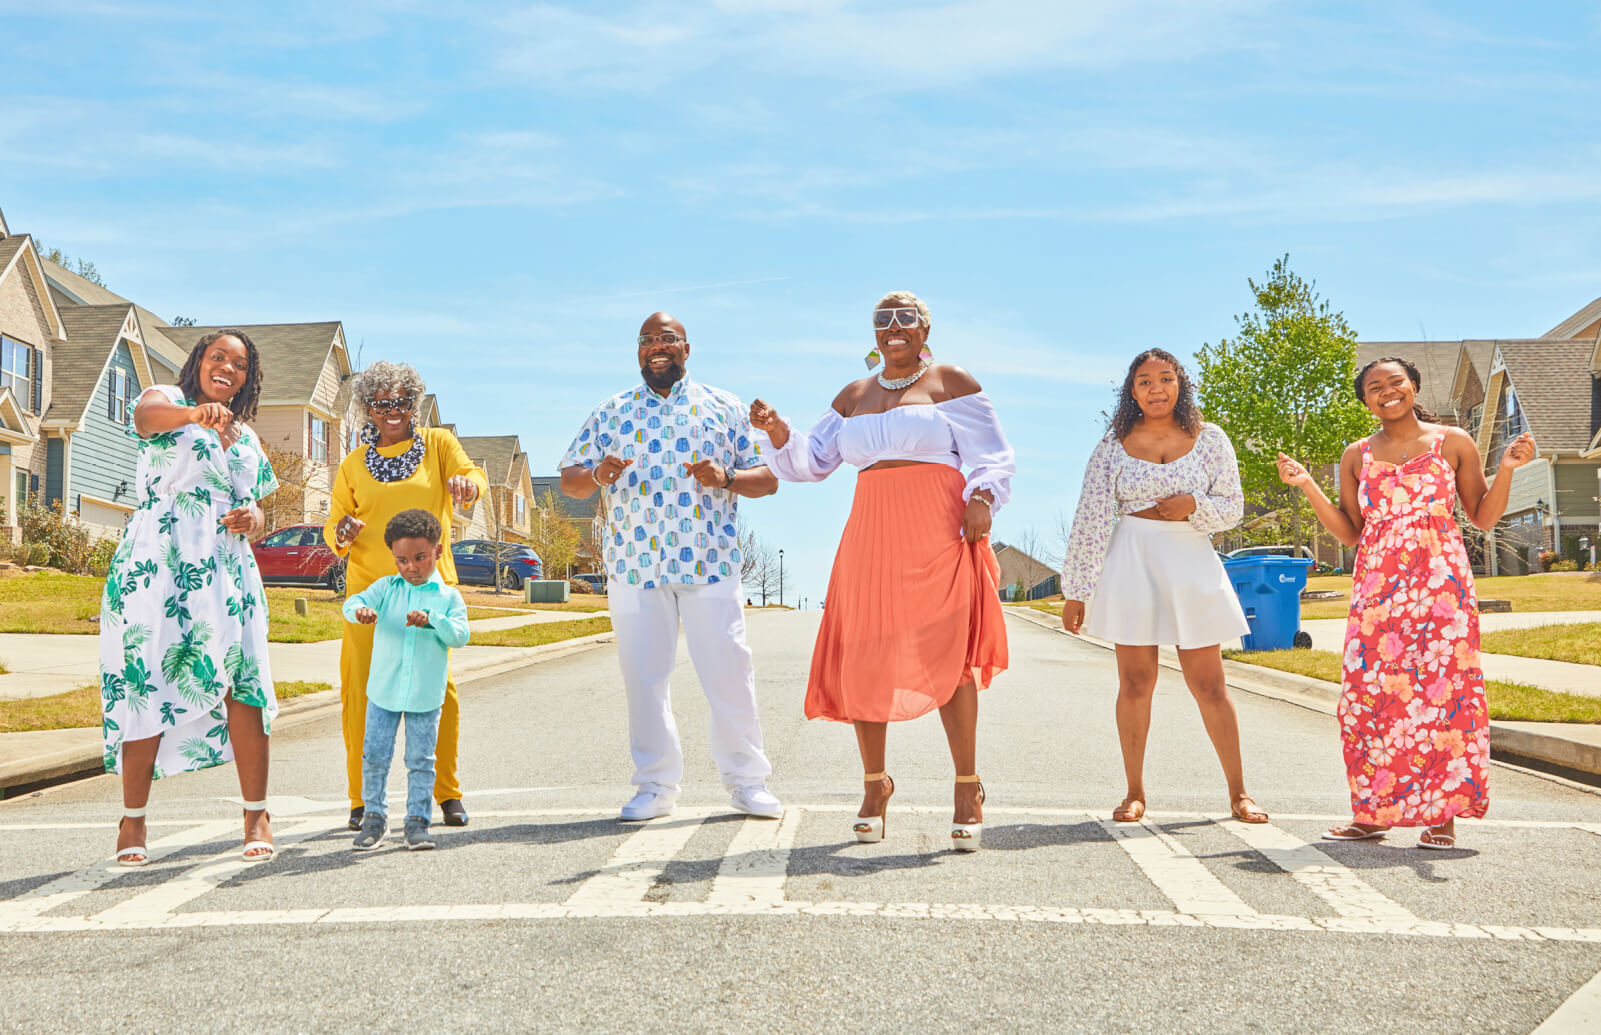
1571 746
41 664
36 757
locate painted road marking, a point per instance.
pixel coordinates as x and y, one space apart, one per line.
638 862
1581 1012
756 864
1318 873
1176 873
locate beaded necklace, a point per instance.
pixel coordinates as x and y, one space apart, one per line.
392 468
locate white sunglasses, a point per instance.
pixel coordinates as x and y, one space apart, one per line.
905 317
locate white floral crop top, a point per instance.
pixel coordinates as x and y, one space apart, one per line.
960 432
1116 484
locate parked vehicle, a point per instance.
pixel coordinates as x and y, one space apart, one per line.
297 556
477 560
596 583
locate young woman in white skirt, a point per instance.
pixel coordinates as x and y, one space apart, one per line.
1157 487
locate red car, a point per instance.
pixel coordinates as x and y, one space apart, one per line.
297 556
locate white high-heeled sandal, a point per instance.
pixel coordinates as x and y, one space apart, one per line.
969 837
123 854
250 846
870 829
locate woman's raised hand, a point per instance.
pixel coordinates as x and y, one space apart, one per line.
1520 452
764 418
347 530
1291 472
462 489
1072 615
245 521
211 415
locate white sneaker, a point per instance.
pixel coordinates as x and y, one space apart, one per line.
647 805
756 800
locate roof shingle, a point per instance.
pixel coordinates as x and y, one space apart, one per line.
92 332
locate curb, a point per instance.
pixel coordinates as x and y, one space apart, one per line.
1515 743
84 756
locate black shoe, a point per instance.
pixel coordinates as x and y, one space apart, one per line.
355 816
455 813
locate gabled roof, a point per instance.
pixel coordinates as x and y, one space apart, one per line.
17 251
1579 324
497 453
1436 362
80 361
15 424
1014 563
569 506
68 288
1554 387
292 354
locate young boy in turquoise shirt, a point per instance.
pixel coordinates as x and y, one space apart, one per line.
418 618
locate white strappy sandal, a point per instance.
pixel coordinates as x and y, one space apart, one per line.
251 846
123 856
969 837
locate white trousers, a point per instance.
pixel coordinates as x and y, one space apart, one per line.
646 622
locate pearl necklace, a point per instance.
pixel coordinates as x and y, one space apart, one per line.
896 384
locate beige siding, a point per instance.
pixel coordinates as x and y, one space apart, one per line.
326 394
22 319
1530 483
1577 489
282 427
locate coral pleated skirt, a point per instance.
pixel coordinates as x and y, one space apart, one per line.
912 610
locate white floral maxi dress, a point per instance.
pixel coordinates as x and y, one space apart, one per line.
184 619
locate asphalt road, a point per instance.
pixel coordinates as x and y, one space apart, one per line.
546 913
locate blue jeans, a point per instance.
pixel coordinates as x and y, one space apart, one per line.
378 750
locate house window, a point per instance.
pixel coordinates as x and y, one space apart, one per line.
1516 423
119 396
1475 417
522 509
317 439
16 370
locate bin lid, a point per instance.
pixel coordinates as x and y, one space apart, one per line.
1267 560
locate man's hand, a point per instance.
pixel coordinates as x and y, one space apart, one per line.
215 416
417 618
976 520
1520 452
366 616
1072 615
764 418
462 489
609 470
709 473
1175 508
347 530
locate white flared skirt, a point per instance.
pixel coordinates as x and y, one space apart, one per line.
1163 585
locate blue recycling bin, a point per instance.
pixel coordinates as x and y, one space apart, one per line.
1269 589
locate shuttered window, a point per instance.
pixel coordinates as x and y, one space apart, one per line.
18 363
119 396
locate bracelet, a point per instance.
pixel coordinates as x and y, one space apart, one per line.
594 476
976 498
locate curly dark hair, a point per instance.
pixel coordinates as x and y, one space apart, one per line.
243 404
412 524
1412 375
1185 411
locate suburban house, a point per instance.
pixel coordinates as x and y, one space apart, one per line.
1496 389
511 516
585 513
1023 576
30 328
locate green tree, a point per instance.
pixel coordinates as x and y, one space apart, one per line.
555 537
1283 384
82 267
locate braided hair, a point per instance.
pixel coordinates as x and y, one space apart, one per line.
243 404
1185 411
1411 373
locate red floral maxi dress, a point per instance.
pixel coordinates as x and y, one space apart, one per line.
1413 718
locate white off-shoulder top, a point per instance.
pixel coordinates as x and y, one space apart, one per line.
1116 484
960 432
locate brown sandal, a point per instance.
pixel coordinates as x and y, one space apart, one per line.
1132 810
1247 815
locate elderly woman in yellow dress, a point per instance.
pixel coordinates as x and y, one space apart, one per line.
398 467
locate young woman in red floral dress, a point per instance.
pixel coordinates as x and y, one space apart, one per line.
1413 718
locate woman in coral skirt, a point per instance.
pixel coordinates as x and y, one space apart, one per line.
914 619
1413 718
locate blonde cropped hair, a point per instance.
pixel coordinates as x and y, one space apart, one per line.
906 298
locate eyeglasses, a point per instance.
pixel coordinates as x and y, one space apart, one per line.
400 404
907 317
665 338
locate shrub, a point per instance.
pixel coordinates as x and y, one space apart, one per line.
100 557
35 555
579 586
53 538
1563 566
1546 558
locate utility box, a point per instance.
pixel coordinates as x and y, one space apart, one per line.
545 591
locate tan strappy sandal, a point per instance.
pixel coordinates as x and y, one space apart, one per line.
969 837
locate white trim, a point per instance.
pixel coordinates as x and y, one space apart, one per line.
101 502
40 285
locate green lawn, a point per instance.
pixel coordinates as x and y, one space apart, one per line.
1510 701
82 707
1553 591
1579 644
541 633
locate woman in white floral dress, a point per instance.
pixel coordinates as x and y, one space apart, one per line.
183 624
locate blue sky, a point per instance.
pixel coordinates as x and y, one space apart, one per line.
500 193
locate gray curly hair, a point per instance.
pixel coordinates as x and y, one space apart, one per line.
906 298
382 377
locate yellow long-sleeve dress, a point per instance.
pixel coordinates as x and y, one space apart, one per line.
356 493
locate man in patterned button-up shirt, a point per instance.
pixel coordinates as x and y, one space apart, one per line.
670 458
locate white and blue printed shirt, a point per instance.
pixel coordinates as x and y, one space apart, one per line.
662 526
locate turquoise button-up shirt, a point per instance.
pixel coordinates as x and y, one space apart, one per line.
410 663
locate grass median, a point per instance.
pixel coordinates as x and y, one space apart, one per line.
1508 701
82 707
540 633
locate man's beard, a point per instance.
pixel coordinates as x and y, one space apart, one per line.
666 379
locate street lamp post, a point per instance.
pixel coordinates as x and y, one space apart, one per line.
780 578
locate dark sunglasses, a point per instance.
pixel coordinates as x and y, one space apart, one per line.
400 405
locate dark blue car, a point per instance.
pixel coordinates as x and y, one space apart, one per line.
478 559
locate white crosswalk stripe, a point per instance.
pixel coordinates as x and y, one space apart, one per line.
1319 873
1176 873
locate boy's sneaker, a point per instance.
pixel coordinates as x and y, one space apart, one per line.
417 837
373 827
